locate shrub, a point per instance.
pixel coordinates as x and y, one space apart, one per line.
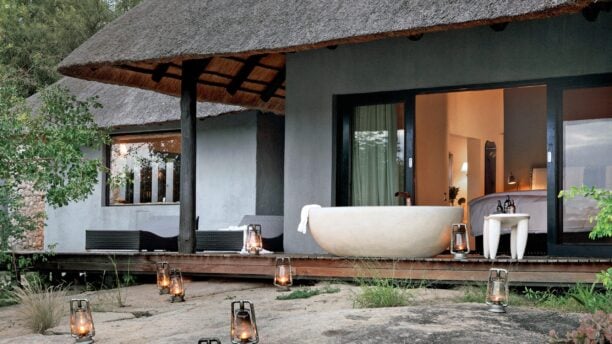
594 328
42 307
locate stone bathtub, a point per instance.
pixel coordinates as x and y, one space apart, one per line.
388 231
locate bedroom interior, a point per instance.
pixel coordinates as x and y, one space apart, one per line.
491 144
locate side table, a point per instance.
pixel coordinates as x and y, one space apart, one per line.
519 224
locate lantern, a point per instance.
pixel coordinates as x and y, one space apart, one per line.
282 276
209 341
460 243
497 290
81 322
243 325
163 277
253 243
177 289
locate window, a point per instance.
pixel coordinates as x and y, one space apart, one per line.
149 167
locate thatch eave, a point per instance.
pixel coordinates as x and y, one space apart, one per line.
135 44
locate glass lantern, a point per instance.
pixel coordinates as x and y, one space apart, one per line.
177 288
209 341
163 277
283 278
497 290
254 243
243 325
460 241
81 321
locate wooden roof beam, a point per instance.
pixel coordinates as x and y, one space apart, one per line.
159 71
274 85
243 73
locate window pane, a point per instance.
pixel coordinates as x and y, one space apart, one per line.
150 165
587 157
377 160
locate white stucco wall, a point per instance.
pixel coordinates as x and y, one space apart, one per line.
226 188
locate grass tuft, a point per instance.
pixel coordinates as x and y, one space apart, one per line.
308 292
42 307
381 292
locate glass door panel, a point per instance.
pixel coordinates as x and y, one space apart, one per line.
587 156
377 155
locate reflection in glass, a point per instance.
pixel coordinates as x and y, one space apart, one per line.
149 165
587 157
377 161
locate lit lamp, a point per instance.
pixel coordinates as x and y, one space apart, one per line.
512 180
81 322
209 341
497 290
460 243
253 244
177 289
243 326
282 276
163 277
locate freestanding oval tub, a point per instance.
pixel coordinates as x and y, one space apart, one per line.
394 231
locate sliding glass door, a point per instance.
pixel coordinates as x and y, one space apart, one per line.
580 137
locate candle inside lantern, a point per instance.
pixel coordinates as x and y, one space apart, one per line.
282 275
498 293
163 277
243 326
81 321
177 289
254 242
460 246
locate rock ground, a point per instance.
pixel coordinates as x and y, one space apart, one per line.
432 317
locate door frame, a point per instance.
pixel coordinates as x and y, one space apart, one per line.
344 103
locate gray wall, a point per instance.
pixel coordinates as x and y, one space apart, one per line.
270 164
555 47
226 185
524 132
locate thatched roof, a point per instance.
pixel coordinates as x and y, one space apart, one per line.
145 47
127 106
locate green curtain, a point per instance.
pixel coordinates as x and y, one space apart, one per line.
374 170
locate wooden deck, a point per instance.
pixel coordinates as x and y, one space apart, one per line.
530 271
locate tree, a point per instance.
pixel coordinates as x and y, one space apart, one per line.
45 150
35 35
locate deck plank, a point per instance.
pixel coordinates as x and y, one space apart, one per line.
531 270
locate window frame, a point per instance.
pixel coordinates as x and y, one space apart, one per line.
106 160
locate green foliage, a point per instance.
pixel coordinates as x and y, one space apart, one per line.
591 299
594 328
603 227
381 292
308 292
42 307
44 150
36 35
605 278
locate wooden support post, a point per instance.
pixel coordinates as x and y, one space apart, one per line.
187 226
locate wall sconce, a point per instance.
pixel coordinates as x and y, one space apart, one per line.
464 167
497 290
177 288
513 181
254 243
283 278
163 277
81 321
243 325
460 243
209 341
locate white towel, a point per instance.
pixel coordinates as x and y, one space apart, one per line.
303 226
